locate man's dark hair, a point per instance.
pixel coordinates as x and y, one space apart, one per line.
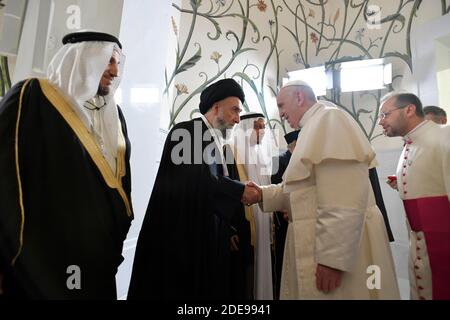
403 99
439 112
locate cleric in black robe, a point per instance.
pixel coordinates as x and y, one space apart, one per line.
65 176
183 250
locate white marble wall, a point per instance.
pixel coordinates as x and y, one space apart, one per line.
424 57
388 163
47 21
144 34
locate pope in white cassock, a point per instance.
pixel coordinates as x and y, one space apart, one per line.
336 244
253 153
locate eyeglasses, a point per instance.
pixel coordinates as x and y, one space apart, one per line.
383 115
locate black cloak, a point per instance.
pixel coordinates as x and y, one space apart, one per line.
70 216
183 250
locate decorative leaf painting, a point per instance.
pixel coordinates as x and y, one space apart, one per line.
5 80
257 41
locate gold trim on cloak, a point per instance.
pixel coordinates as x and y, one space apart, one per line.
112 180
67 112
19 180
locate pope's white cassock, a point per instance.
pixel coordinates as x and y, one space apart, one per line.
333 218
423 178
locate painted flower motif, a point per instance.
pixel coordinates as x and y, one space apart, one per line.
271 23
181 88
360 33
221 2
216 56
174 26
311 13
262 6
313 37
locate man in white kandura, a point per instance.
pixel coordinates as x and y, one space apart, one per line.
253 153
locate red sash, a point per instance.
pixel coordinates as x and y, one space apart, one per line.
432 216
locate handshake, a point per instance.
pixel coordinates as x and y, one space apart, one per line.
252 194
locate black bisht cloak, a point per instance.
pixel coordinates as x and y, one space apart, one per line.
183 250
72 217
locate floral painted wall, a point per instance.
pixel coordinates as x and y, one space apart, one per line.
5 79
5 82
257 41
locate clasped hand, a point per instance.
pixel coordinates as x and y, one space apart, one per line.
252 194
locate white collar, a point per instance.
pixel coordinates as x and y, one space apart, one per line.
309 113
411 135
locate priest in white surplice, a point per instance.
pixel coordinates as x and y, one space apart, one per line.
336 244
423 183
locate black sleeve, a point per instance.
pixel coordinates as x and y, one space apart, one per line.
279 166
373 175
230 188
9 194
126 180
227 196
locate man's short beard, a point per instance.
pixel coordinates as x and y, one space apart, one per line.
102 91
222 126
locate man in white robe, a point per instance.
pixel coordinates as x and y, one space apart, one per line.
253 155
66 206
423 183
336 244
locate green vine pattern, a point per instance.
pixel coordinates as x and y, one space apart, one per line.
274 54
211 15
445 7
5 80
312 30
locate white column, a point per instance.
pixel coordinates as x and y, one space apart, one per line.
144 34
48 21
424 42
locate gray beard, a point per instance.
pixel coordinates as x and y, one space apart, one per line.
222 127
